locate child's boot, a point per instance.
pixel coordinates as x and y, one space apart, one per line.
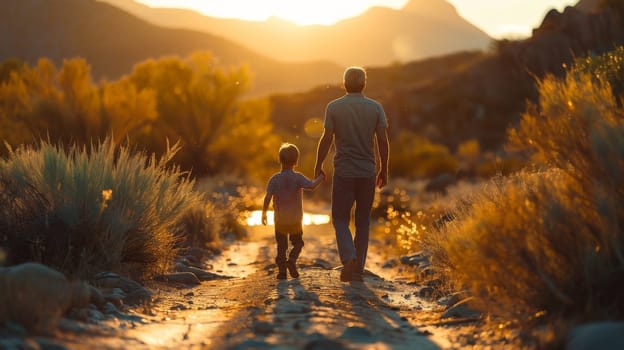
281 270
292 268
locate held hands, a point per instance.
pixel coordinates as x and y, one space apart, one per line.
264 218
321 174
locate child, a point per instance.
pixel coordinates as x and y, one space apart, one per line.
285 188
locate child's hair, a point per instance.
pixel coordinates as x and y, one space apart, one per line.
288 154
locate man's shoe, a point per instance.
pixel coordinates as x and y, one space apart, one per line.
347 271
357 277
292 268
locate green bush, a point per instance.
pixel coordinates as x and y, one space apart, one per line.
93 208
549 244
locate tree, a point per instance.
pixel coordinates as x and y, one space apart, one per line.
200 105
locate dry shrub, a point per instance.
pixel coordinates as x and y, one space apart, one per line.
549 244
90 209
528 246
416 156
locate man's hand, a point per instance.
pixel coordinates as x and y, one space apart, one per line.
318 171
264 218
322 173
382 179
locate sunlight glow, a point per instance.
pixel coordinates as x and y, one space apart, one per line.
302 12
497 18
255 218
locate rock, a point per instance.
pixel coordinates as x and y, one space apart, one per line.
178 307
462 309
114 296
202 275
414 259
262 328
390 263
96 296
452 299
324 264
139 296
33 295
111 280
179 277
110 309
594 336
81 294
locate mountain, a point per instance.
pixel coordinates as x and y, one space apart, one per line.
113 41
589 5
380 36
470 95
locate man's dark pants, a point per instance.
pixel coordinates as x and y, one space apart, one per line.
347 191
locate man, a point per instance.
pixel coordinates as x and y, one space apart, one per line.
354 121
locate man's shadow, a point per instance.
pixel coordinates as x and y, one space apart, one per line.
381 322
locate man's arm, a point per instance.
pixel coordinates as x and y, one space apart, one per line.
323 148
265 207
384 152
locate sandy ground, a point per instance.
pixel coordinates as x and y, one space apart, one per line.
253 310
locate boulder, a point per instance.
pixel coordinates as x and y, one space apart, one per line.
33 295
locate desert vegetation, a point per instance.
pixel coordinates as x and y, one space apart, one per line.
101 176
555 226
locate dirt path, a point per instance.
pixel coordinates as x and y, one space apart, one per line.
253 310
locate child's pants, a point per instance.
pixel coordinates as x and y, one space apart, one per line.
282 246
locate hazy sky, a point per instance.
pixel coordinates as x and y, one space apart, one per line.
498 18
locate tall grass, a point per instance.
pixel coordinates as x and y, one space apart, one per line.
94 208
548 244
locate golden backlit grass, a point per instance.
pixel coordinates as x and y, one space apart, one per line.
88 209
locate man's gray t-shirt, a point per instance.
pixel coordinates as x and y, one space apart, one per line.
355 118
286 189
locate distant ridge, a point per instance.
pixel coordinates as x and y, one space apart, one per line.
472 95
380 36
113 41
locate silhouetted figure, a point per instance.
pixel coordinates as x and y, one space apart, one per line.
352 122
285 188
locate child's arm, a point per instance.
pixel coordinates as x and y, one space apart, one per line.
265 207
316 182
